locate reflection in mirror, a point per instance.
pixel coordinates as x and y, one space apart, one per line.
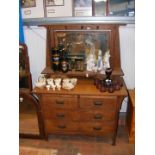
86 49
28 119
24 72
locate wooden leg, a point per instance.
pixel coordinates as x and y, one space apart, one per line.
114 140
46 137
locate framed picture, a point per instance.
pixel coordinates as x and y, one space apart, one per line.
28 3
122 8
32 9
58 8
100 7
54 2
82 7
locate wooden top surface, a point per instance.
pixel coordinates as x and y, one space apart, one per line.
48 70
132 96
83 87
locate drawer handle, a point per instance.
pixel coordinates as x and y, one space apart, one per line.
97 128
97 103
60 115
61 126
60 102
98 117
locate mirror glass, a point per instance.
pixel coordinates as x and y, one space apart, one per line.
85 48
28 119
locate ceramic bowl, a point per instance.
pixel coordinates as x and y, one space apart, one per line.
40 84
73 81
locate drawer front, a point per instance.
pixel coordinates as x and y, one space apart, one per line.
60 114
97 102
97 115
60 101
97 128
52 126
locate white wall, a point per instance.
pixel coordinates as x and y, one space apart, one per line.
127 51
35 38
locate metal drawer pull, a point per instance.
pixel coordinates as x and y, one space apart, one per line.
98 103
97 128
60 115
61 126
59 102
98 117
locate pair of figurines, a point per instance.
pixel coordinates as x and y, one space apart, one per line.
54 83
101 64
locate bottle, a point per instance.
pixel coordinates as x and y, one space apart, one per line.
64 61
55 59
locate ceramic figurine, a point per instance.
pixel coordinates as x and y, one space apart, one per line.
106 58
90 62
99 61
41 78
91 56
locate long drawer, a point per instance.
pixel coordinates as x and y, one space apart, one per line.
108 103
86 128
60 101
77 115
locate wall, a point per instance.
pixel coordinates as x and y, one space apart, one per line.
35 38
127 51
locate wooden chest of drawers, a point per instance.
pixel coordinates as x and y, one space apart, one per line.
80 112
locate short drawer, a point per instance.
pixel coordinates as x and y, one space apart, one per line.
98 102
97 128
60 114
60 101
97 115
52 126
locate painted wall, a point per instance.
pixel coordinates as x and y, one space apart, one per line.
127 51
35 38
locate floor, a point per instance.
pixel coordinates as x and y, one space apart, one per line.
67 145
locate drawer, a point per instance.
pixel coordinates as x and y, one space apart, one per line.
98 102
97 128
97 115
60 101
60 114
52 126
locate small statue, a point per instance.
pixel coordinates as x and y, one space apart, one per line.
106 58
90 62
99 61
91 59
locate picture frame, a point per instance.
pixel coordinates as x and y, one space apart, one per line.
99 8
54 2
58 8
83 7
28 3
32 9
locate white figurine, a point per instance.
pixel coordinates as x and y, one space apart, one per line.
106 58
99 61
91 59
90 62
